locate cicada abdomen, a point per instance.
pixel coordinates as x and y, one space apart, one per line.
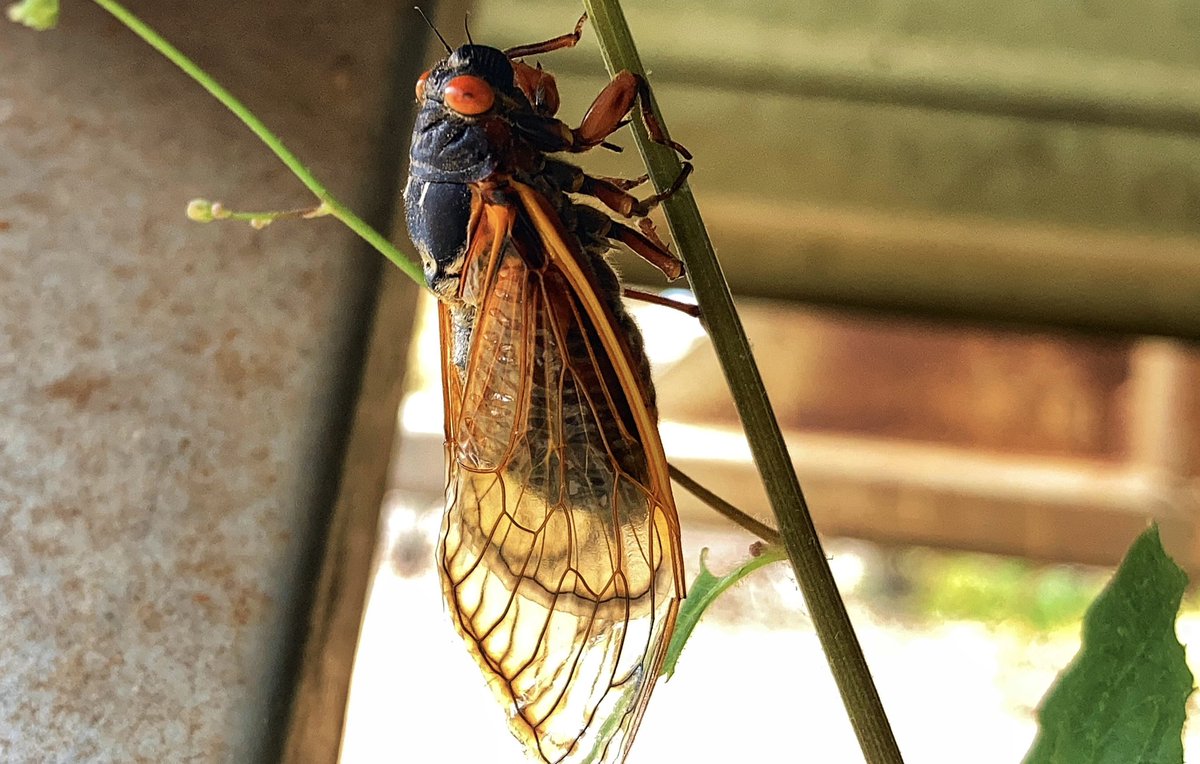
560 556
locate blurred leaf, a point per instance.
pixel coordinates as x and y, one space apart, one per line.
1121 701
992 589
703 592
36 14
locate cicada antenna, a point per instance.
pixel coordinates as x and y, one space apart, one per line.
467 27
429 23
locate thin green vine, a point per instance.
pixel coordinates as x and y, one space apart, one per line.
327 200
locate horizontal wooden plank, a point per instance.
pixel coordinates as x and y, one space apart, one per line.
1035 395
1055 510
960 269
1058 62
907 185
1162 31
892 159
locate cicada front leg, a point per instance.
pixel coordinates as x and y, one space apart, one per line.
538 84
568 40
607 114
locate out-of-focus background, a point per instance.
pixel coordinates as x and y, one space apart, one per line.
968 162
965 242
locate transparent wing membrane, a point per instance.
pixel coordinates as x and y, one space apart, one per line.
560 552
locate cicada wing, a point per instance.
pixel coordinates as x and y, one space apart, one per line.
560 555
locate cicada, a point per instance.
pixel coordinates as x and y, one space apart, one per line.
560 555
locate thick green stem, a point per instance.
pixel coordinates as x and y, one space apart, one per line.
766 441
336 208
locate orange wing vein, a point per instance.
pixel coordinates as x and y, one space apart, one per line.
560 555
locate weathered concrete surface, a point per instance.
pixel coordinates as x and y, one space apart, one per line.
172 396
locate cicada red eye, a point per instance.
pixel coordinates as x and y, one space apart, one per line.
421 85
469 95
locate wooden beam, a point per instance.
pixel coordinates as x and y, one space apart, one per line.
314 733
1048 76
957 268
1054 510
1059 510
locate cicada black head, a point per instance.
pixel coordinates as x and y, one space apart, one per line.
463 100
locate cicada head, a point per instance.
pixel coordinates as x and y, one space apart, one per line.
460 126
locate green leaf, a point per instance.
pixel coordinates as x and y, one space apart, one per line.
1121 701
36 14
704 592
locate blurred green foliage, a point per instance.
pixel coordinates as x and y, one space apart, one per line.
979 587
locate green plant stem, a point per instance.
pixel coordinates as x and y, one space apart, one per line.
826 608
336 208
270 216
